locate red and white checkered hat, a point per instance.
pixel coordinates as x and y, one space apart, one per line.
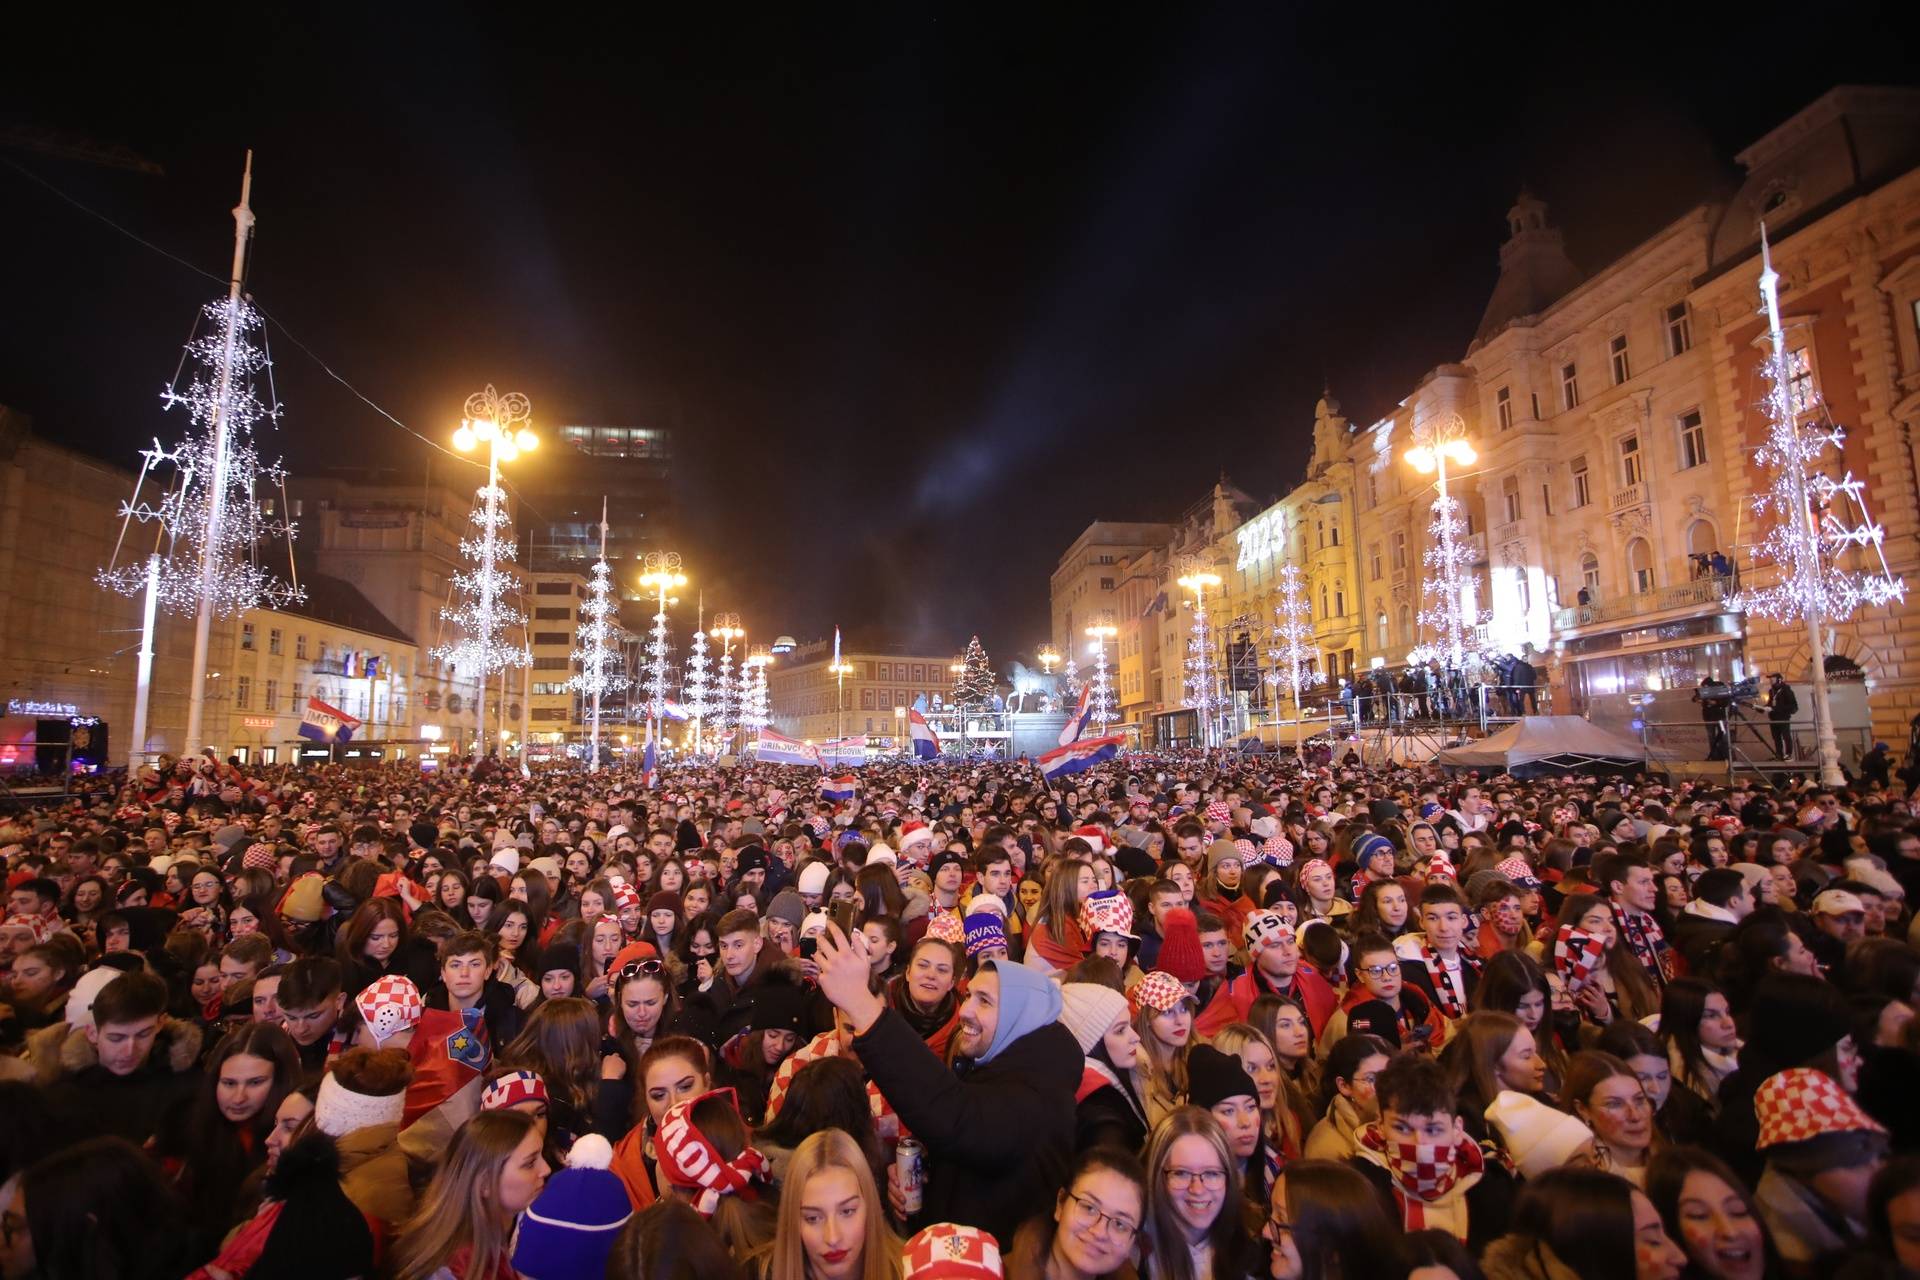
1159 991
1106 911
624 896
949 1251
1278 850
1439 867
1218 812
1264 927
1804 1103
390 1005
1520 872
1249 851
948 927
259 856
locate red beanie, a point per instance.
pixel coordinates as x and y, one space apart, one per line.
1180 946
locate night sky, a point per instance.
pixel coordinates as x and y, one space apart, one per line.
921 290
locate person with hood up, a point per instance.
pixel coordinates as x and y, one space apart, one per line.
999 1125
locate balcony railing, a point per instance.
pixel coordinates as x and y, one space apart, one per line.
1685 595
1629 495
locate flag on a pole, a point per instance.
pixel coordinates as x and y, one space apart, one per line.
324 723
926 743
839 790
1082 714
1078 757
649 762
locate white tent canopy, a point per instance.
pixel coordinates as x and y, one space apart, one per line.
1541 744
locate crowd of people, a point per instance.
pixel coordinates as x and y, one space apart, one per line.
1182 1016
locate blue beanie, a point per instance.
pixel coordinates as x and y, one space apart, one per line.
1368 845
1029 1000
984 931
570 1229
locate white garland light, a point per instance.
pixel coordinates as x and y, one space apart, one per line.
598 658
215 500
483 613
1449 565
753 691
1292 647
698 689
725 695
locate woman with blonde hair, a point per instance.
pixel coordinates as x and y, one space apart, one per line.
832 1223
493 1169
1284 1114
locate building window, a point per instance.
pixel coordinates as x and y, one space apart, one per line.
1106 584
1693 440
866 699
1800 387
886 671
1569 386
299 704
246 635
1373 490
552 588
1533 398
1400 552
1339 599
1503 407
1582 486
1406 623
1320 535
1333 534
273 640
1323 602
1373 562
243 691
1631 469
272 700
552 637
1510 497
1380 629
269 755
1679 329
1622 367
552 613
300 645
1546 499
1640 565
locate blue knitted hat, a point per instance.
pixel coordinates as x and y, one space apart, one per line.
570 1229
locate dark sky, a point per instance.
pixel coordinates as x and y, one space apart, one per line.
922 289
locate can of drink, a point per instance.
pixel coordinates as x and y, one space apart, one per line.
910 1165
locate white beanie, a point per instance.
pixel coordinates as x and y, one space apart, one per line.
880 854
813 878
1537 1136
1087 1009
338 1111
80 999
508 860
815 922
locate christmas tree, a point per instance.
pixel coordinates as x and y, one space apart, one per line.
698 688
974 687
598 668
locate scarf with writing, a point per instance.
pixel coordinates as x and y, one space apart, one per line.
1643 936
1576 955
1452 1003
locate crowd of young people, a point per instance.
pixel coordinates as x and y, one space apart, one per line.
1181 1017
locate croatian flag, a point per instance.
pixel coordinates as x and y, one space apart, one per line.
649 763
1078 757
839 790
324 723
674 710
926 743
777 748
1082 715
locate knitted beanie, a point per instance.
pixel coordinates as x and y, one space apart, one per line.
1537 1136
985 930
1087 1009
789 906
950 1251
813 878
316 1233
570 1229
339 1111
1180 946
1214 1076
1219 851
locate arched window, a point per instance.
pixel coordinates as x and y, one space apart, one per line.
1406 624
1339 599
1320 534
1702 538
1640 565
1380 627
1323 601
1334 540
1590 573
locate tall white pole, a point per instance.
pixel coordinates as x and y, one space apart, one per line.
1456 646
143 681
1826 745
217 491
600 661
486 592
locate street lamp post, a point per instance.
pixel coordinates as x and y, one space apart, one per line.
1101 631
660 573
491 421
957 668
1201 683
840 670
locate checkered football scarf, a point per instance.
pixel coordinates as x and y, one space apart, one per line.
1643 936
1424 1171
1451 1003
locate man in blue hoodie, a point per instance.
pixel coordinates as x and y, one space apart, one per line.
998 1126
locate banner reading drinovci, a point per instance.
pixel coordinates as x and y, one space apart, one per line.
777 748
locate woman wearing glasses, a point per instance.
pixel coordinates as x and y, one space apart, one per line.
1095 1221
1194 1224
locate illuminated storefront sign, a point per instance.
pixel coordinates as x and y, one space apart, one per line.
259 722
33 707
1261 538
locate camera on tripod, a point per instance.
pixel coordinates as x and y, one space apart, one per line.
1740 692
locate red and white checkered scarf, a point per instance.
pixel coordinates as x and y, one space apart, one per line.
1576 954
1429 1179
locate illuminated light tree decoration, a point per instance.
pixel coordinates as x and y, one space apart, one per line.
699 686
483 614
660 573
1100 700
1292 649
1203 681
599 669
1817 520
211 524
753 691
1449 555
726 629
